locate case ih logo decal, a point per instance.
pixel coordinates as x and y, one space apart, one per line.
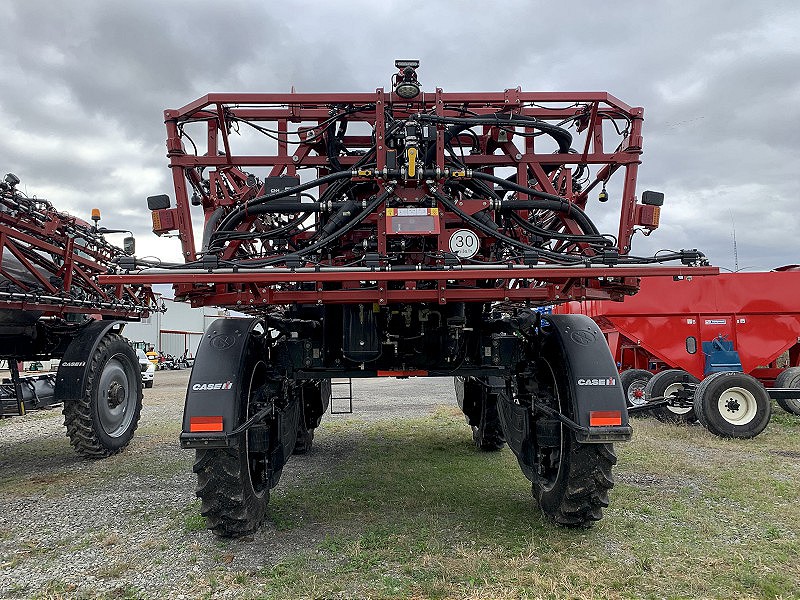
77 363
204 387
223 342
603 381
583 337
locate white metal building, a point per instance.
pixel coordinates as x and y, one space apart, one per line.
176 331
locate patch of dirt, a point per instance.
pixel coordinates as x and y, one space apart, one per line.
77 522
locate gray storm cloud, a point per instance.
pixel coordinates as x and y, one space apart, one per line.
84 85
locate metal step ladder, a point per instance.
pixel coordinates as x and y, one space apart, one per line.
11 402
342 391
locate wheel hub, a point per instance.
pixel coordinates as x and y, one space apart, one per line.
116 394
674 394
737 405
733 406
636 395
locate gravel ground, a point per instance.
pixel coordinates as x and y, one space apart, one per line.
71 527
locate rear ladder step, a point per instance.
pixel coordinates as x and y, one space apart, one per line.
342 391
12 392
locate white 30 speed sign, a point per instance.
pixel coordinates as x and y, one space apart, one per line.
464 243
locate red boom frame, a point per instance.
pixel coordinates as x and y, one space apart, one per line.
218 178
56 261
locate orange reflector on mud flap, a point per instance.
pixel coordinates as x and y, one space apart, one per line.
598 418
199 424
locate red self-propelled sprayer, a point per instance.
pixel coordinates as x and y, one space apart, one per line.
404 233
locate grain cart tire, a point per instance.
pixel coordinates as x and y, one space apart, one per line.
232 483
789 378
732 405
664 384
103 420
633 383
572 479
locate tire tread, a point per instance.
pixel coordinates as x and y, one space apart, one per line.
228 510
78 412
789 378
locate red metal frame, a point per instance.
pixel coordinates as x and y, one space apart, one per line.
759 312
299 121
47 243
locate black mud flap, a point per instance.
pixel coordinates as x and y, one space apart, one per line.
316 397
71 375
469 395
592 379
277 438
516 422
212 407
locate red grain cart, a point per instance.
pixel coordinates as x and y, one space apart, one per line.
719 346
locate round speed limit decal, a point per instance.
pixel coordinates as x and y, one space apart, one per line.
464 243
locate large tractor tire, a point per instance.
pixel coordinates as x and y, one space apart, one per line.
480 409
488 435
102 421
663 385
316 397
305 440
789 378
233 483
572 479
732 405
633 383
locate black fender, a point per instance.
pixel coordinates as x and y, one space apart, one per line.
469 395
215 385
316 395
591 376
71 374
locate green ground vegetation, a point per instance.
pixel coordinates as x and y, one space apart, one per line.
409 508
419 513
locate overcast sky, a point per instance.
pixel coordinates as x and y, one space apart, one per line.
83 85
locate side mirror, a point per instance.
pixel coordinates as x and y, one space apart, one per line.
129 245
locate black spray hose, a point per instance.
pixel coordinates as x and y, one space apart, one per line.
368 210
562 137
559 134
449 134
235 217
557 235
557 203
570 210
227 236
490 231
211 226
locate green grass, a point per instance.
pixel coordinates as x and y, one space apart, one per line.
193 520
420 513
51 467
411 510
